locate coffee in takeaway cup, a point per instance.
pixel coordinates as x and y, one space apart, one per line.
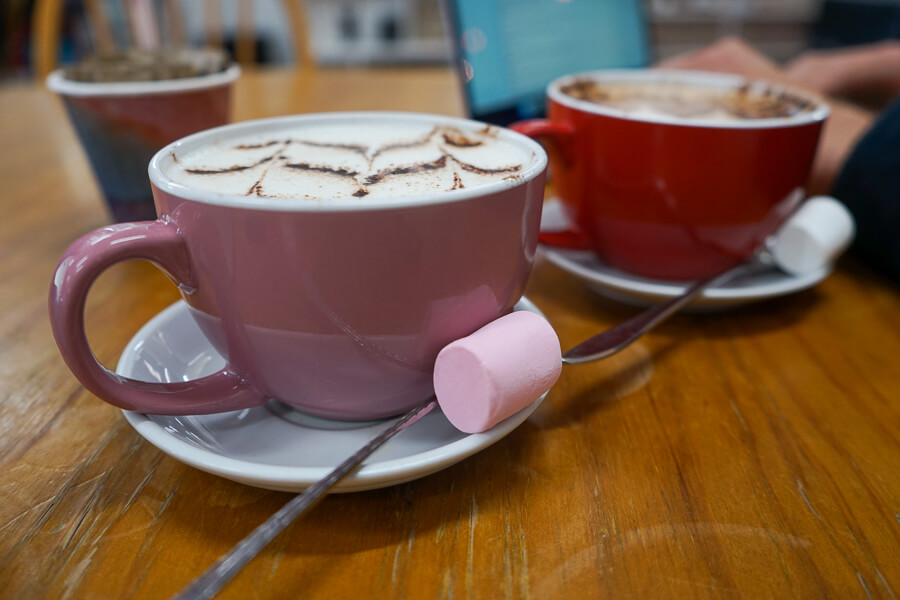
126 106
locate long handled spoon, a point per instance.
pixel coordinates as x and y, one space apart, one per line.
224 569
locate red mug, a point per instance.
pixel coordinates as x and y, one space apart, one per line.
673 198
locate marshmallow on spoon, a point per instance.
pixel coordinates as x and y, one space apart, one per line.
497 371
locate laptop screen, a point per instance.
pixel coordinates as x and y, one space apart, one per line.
509 50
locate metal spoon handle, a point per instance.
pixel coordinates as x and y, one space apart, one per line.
224 569
613 340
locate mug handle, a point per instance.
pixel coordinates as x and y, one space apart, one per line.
557 138
84 261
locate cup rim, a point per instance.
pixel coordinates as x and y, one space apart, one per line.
160 181
702 78
57 82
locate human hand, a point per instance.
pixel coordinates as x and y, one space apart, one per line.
865 74
728 55
844 126
821 71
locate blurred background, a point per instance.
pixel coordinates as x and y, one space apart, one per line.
413 32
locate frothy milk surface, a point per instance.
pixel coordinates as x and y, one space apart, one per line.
359 159
690 102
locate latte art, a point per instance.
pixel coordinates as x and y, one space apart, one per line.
367 159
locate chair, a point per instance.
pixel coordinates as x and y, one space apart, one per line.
151 23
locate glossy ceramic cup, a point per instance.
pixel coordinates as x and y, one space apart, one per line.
337 308
671 198
122 125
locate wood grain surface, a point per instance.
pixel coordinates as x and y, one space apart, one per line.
750 453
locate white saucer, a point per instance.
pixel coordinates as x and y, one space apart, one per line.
756 284
264 446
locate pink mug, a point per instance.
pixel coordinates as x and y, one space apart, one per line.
337 308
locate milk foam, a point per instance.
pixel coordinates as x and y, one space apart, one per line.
689 102
355 159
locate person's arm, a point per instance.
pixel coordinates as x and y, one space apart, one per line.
844 127
729 55
869 74
869 185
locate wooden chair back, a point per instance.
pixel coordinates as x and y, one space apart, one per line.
153 23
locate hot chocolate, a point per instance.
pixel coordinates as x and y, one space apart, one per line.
355 158
336 306
690 102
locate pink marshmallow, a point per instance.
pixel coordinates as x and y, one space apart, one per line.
500 369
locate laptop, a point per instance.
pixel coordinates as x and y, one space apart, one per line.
507 51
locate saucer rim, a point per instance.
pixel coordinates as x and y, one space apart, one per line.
634 284
372 475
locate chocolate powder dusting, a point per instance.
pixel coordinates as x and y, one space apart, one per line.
440 163
255 189
219 171
361 192
485 171
337 171
352 147
765 104
586 89
410 144
231 169
256 146
455 137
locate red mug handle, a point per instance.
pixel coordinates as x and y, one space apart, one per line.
556 137
84 261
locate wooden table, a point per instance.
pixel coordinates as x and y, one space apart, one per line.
749 453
